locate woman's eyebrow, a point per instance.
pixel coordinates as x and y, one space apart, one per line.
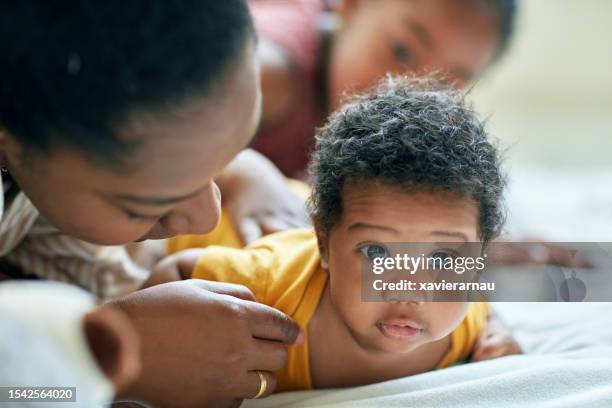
156 201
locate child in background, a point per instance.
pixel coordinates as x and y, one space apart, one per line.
307 64
406 162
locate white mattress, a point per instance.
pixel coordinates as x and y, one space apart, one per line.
568 364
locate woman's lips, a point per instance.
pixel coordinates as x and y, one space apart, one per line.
400 330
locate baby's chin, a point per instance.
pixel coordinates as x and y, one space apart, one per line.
400 348
394 349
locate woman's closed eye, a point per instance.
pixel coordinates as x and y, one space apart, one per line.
141 217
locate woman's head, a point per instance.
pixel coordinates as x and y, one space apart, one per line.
459 37
116 116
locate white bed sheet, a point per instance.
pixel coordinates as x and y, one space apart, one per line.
568 364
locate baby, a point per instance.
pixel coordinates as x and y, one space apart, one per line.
407 162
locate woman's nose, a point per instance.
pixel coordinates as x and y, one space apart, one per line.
198 215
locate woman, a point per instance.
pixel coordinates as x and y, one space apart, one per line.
115 118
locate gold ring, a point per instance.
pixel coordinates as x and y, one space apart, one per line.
263 384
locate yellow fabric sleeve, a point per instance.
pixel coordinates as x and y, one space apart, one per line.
225 234
464 336
245 267
277 268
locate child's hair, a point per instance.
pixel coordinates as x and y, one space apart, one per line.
71 72
413 133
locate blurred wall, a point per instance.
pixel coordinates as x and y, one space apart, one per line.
550 96
549 100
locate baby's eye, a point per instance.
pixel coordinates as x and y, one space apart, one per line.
373 251
438 258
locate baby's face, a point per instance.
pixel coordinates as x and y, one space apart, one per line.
377 214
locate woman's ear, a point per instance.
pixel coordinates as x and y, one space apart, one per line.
114 344
8 147
3 141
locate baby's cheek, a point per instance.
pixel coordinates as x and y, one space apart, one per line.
346 296
446 316
347 292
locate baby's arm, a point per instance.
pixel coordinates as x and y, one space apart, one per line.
175 267
495 341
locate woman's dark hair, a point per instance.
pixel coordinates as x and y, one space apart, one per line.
72 71
413 133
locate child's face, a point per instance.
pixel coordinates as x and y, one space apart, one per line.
167 187
377 214
401 36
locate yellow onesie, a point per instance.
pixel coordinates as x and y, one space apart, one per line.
283 271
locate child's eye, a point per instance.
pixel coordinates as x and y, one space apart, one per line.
373 251
439 257
402 54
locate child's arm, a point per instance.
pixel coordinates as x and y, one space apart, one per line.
147 253
495 341
259 198
175 267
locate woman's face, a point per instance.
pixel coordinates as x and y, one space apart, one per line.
167 187
457 37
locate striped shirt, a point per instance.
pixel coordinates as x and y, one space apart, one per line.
34 247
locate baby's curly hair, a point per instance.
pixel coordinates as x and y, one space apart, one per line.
418 134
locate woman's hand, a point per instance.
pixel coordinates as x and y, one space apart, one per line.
495 341
202 342
259 198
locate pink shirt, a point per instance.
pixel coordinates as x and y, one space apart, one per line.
293 25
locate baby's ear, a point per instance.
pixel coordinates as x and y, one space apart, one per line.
322 243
